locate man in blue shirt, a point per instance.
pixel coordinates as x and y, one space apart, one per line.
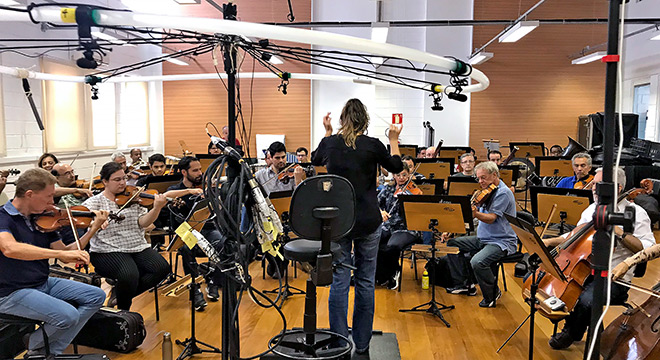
582 169
25 288
495 239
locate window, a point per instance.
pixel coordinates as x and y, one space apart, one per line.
3 142
104 117
641 97
135 113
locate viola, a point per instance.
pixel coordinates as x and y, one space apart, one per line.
481 196
135 195
288 173
584 183
56 218
410 188
646 189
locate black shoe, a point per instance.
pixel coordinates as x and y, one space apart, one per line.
112 298
469 290
199 301
487 303
212 292
498 294
393 283
561 340
362 351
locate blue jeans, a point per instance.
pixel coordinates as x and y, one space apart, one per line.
366 251
64 306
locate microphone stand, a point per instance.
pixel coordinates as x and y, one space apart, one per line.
286 289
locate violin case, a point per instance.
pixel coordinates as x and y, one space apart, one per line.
65 272
114 330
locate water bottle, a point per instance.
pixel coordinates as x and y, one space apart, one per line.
167 346
425 280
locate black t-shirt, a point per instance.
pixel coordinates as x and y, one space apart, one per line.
183 210
20 274
360 167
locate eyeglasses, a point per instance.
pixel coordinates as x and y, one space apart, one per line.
467 162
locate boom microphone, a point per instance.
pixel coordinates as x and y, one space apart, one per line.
224 146
28 94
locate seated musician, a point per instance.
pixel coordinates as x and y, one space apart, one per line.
120 252
410 162
191 169
26 290
302 155
430 151
422 153
628 244
582 169
268 178
393 234
495 156
136 156
556 150
3 182
213 149
46 161
494 240
120 159
467 161
67 195
157 166
225 135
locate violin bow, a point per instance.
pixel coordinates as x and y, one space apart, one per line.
278 174
638 288
137 193
547 222
91 176
73 227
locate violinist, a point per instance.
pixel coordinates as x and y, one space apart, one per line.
136 156
628 244
430 151
268 178
191 169
494 240
121 252
467 161
495 156
46 161
301 154
26 290
394 236
582 168
65 187
410 163
157 166
120 159
422 153
213 149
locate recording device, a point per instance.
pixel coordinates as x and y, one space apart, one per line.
206 247
554 303
224 146
457 96
28 94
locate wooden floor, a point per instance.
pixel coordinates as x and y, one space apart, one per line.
475 333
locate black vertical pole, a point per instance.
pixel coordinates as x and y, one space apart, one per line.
230 337
607 195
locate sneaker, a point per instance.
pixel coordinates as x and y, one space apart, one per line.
112 298
472 290
393 283
469 290
212 292
199 301
561 340
498 294
487 303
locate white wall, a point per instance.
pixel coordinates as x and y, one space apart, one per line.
382 102
641 64
24 142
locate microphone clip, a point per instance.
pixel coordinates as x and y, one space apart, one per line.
285 82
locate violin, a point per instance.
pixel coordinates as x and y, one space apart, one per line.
288 173
481 196
409 188
56 218
646 189
135 195
584 183
8 172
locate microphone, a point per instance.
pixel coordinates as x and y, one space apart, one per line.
173 158
28 94
457 96
206 247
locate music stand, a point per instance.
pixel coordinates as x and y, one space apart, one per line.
454 152
570 204
281 200
540 256
430 186
206 159
509 174
438 217
161 183
406 149
553 166
436 168
528 149
462 186
320 170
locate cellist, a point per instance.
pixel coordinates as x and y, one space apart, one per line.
628 244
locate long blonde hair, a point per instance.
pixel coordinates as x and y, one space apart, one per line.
354 121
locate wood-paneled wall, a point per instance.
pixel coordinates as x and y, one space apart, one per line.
189 105
536 94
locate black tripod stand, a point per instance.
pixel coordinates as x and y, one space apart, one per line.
192 344
287 290
534 262
432 307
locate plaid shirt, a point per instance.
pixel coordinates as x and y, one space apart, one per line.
126 236
387 202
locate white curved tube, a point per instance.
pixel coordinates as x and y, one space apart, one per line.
208 25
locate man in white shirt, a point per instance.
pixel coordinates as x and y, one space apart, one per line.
628 244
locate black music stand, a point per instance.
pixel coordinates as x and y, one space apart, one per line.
436 168
191 344
510 174
438 217
281 200
430 186
529 150
570 204
539 256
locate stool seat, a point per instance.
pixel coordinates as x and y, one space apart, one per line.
14 319
307 250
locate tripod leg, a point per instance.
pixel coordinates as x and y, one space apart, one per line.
514 332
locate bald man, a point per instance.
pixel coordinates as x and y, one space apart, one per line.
65 188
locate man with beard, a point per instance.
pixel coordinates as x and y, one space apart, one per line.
191 169
268 177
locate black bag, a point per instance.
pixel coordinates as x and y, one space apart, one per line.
115 330
64 272
441 271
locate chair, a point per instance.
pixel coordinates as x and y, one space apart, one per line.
515 257
19 320
322 211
